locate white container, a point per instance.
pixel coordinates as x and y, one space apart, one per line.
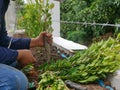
115 80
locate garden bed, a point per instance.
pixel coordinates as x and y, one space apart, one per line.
39 54
33 73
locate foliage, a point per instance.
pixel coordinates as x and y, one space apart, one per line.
77 36
19 2
36 17
49 81
99 11
99 60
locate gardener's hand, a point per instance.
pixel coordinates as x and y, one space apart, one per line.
39 41
25 57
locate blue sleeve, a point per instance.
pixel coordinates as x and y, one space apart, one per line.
8 56
16 43
20 43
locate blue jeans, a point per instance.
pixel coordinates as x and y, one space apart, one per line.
12 79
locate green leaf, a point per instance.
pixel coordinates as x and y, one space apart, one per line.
51 6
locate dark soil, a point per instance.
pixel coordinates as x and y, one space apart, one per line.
39 54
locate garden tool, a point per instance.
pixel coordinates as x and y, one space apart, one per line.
74 85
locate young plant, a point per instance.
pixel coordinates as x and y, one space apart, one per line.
45 21
37 18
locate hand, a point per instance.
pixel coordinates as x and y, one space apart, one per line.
39 41
25 57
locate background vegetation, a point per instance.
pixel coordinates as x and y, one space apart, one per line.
99 11
35 17
89 11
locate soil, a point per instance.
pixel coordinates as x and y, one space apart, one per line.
39 54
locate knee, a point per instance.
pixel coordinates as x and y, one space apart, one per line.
21 81
12 79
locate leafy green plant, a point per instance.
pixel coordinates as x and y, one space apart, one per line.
49 81
36 18
95 63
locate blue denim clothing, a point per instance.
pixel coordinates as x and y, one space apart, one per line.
12 79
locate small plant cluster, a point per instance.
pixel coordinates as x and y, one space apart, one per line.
49 81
